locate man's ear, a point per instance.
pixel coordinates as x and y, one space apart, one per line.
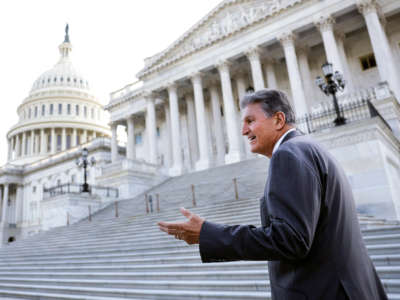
280 120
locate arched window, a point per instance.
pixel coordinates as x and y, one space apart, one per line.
36 111
69 109
85 111
92 112
77 109
51 108
59 108
43 109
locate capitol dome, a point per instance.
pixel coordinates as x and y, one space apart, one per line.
63 74
60 113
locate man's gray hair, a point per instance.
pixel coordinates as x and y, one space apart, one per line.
271 102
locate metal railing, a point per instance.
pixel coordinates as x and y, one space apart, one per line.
75 188
352 111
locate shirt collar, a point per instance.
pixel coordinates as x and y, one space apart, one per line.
277 144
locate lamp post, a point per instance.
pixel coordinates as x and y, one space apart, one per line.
332 83
85 162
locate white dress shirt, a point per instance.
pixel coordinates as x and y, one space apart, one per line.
277 144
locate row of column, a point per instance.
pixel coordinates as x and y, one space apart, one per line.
297 65
5 196
39 143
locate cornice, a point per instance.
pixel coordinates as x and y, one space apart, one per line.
216 34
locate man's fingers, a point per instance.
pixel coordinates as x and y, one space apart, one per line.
185 212
177 225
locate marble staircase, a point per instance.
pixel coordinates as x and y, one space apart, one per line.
111 258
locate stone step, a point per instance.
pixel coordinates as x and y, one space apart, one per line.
168 294
232 285
215 273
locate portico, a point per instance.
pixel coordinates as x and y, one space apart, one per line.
201 76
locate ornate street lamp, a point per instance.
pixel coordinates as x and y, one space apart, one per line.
332 83
85 162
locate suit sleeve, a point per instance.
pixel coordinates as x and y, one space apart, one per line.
293 201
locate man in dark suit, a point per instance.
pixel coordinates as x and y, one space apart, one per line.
310 232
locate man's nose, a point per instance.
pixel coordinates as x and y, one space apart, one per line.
245 129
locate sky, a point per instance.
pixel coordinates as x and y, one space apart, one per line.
110 40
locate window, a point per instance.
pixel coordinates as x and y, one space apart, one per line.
69 109
73 178
60 108
77 109
51 108
68 141
92 113
368 62
85 111
36 111
138 139
43 109
34 189
58 142
158 131
58 182
77 139
30 113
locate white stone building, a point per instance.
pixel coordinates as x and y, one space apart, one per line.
59 117
183 114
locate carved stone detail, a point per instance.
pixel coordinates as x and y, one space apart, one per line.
324 23
367 6
287 39
253 53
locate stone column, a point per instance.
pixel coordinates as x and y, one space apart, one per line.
219 135
43 142
114 143
17 146
130 151
253 55
325 26
32 150
232 127
270 73
151 128
18 205
241 88
204 159
63 139
296 85
169 136
73 138
4 205
308 81
175 130
9 153
380 44
241 85
193 137
340 38
53 141
24 148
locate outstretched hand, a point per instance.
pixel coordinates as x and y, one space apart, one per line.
188 231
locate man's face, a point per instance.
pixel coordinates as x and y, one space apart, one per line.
262 131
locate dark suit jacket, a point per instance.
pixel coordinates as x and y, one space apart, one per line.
310 232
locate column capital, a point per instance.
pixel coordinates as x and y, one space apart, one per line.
253 53
171 85
368 6
324 22
287 39
195 77
303 49
148 95
223 65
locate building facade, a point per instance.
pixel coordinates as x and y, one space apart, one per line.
59 117
183 113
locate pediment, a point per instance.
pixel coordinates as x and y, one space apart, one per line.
229 17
